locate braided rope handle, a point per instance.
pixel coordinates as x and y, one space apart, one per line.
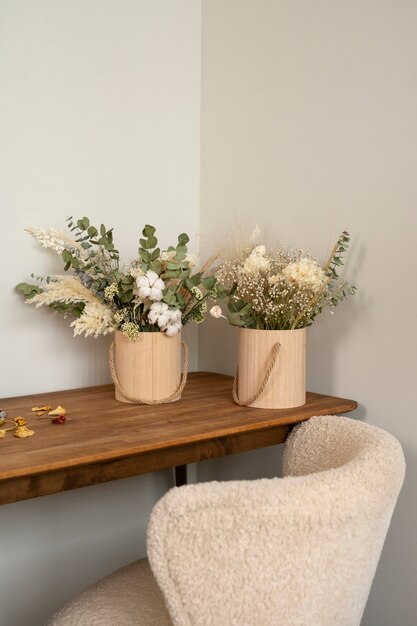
274 356
174 396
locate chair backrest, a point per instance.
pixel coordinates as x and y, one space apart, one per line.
295 551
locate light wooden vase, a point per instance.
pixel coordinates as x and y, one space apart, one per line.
286 386
149 368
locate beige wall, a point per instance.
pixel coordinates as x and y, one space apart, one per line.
309 125
99 116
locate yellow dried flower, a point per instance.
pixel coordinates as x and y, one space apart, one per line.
131 331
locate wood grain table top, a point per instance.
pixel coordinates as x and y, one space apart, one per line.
105 439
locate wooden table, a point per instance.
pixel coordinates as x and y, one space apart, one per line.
106 439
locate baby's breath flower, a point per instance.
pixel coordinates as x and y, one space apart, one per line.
281 290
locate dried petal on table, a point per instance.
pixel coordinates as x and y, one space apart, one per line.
42 408
23 431
20 421
2 434
39 413
58 411
59 420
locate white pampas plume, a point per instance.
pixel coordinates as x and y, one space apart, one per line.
54 239
63 289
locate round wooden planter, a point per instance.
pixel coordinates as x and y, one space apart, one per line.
286 385
148 369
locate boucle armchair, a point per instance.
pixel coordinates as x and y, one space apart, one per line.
295 551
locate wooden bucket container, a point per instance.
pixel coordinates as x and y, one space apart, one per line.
286 386
148 369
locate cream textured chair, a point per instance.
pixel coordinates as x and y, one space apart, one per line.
295 551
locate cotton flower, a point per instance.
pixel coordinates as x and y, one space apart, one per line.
256 261
173 329
168 320
158 314
150 286
306 271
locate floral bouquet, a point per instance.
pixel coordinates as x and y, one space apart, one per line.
157 292
281 290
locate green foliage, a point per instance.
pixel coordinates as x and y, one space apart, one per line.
90 254
28 290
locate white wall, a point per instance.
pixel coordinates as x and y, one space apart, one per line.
99 116
309 125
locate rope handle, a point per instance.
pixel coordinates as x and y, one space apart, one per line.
174 396
274 356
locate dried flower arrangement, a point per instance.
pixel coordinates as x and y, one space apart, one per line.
281 290
157 292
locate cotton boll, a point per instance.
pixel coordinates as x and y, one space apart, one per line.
159 284
175 315
157 311
153 316
163 320
155 294
173 329
144 292
142 281
151 276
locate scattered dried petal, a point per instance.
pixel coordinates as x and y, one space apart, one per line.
23 431
58 411
20 421
2 434
41 408
58 420
40 413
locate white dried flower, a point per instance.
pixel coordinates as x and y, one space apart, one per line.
192 260
150 286
216 311
136 272
54 239
169 255
63 289
256 233
305 271
256 261
95 320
